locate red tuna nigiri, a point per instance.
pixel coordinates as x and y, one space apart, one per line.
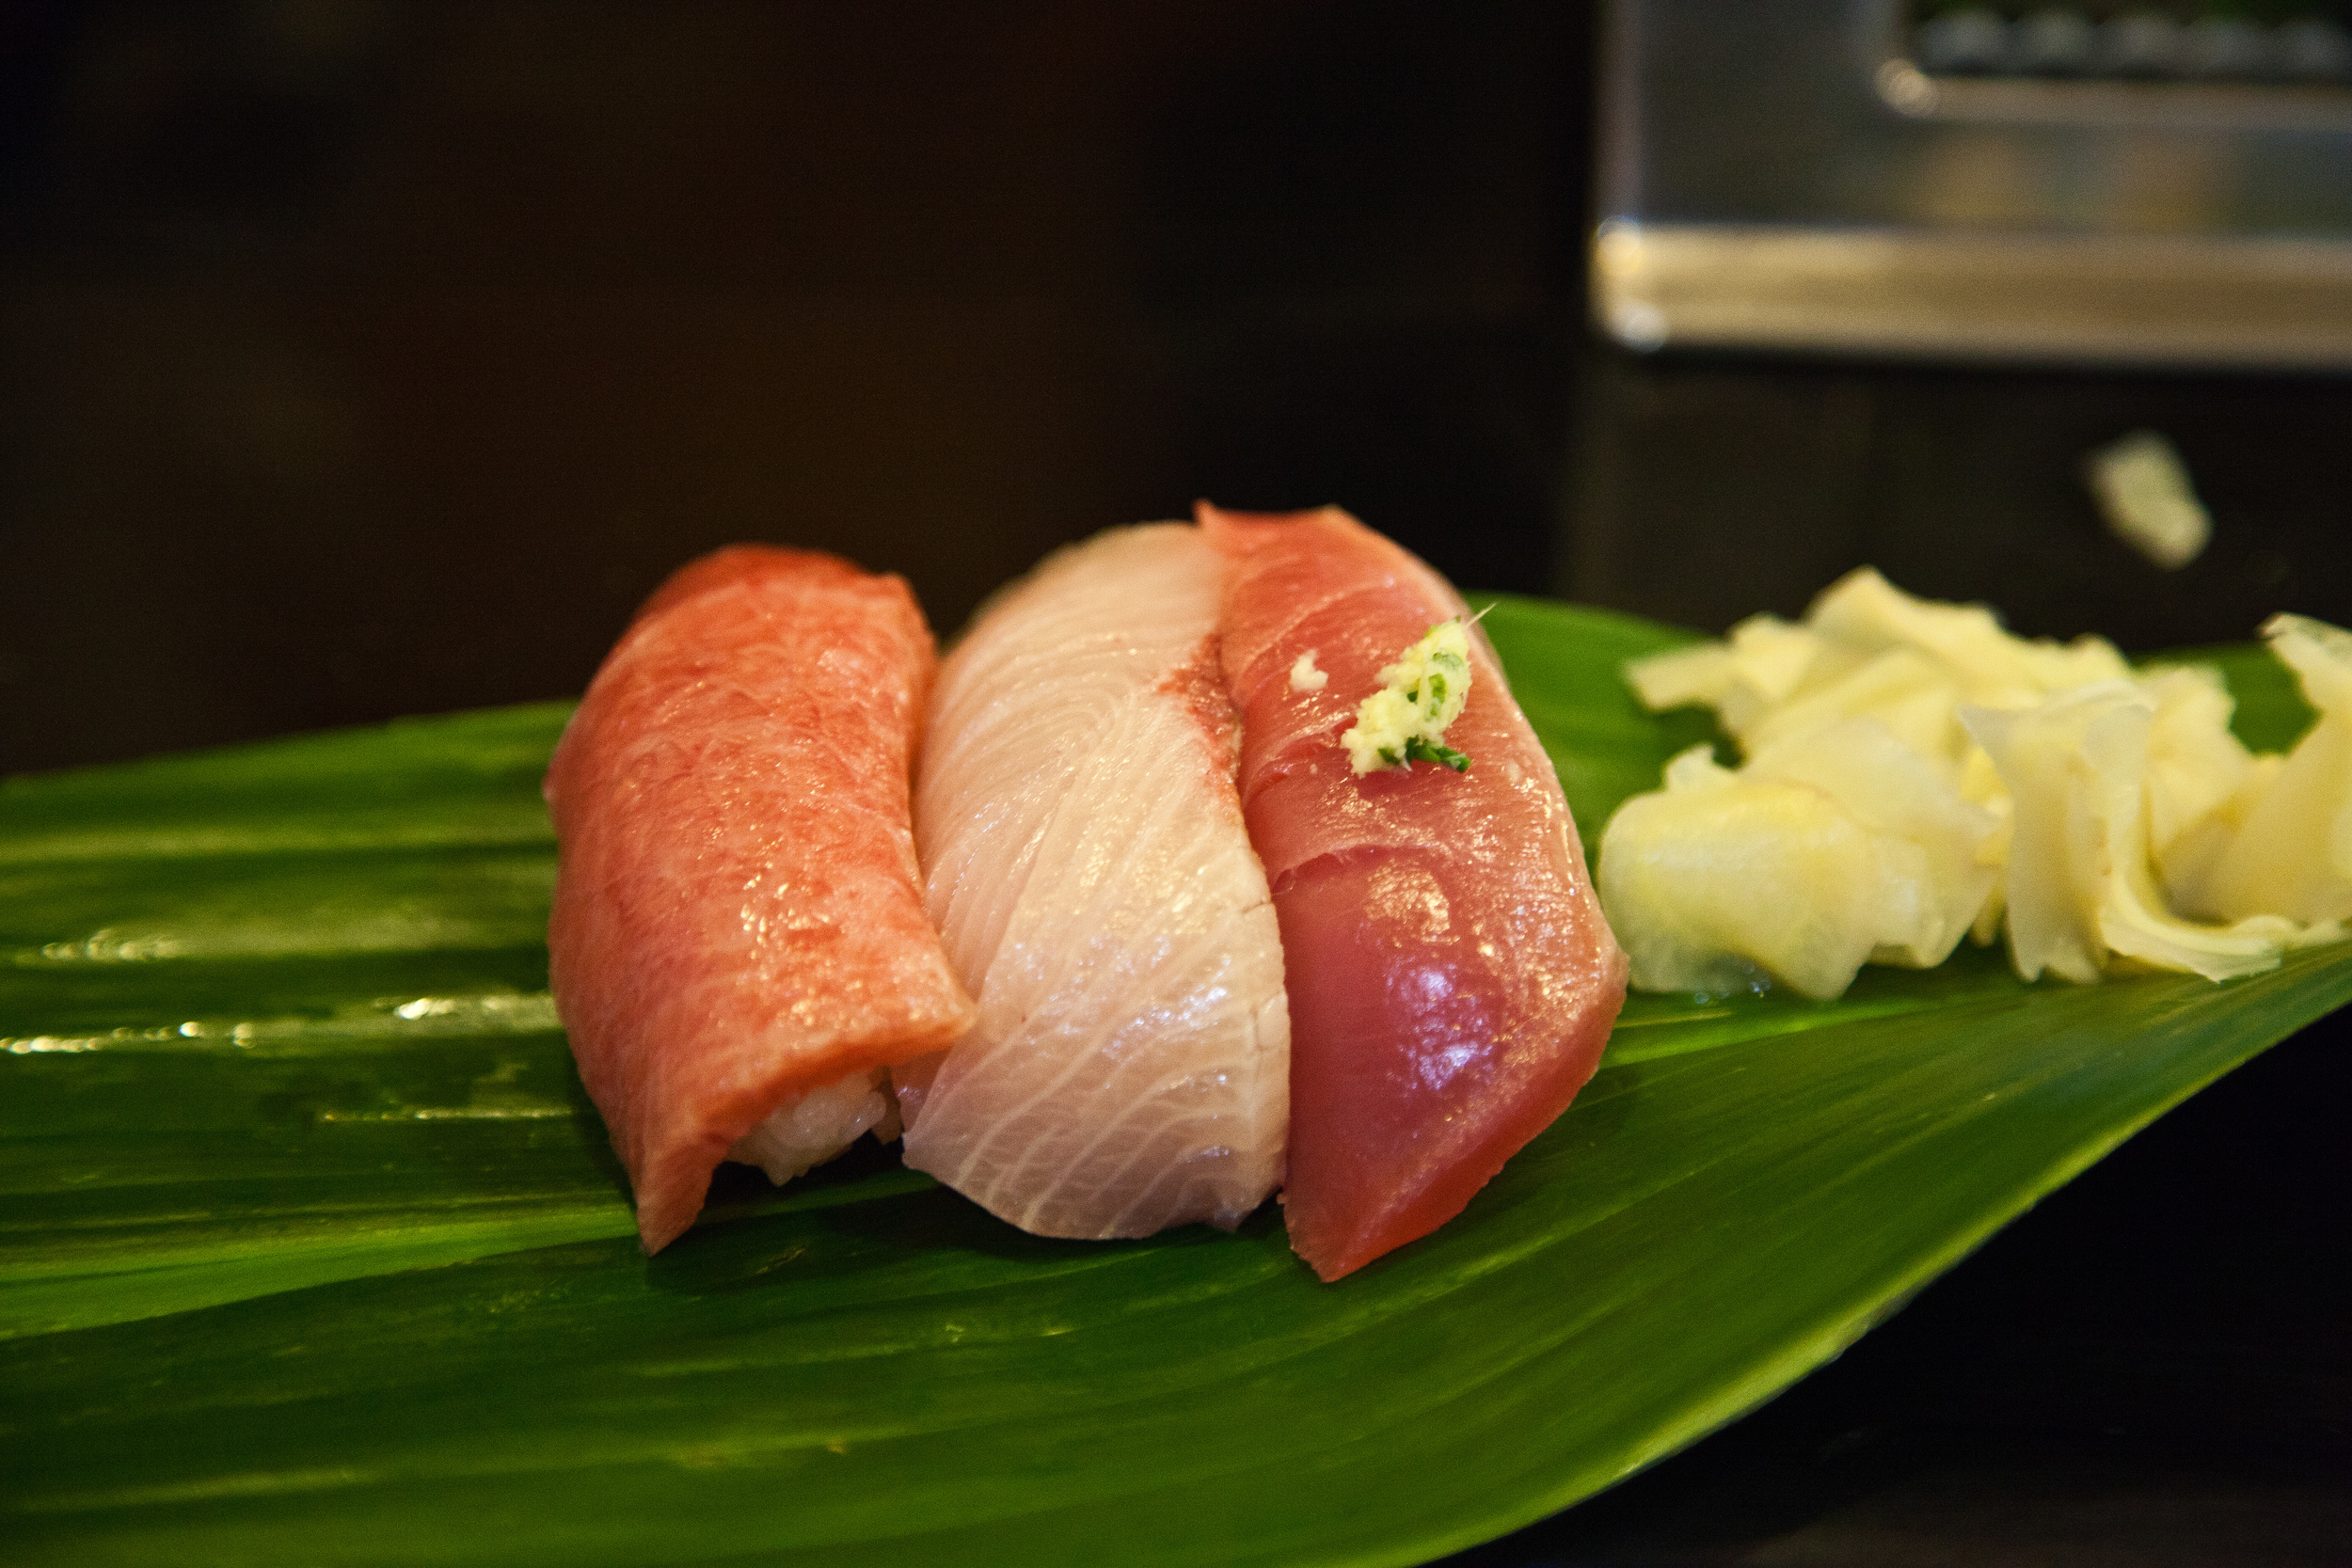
739 919
1452 980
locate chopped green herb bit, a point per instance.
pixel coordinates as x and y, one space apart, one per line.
1418 750
1422 693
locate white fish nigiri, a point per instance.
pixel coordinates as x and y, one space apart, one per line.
1088 864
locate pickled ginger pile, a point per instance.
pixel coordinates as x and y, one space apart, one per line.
1913 775
1136 942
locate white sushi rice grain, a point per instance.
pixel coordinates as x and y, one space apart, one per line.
800 1134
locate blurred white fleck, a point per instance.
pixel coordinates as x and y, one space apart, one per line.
106 945
2143 491
45 1044
1639 325
455 1113
494 1012
1907 89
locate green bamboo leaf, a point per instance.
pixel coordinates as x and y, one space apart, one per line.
312 1250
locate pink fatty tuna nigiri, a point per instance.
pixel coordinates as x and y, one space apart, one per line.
1451 978
1089 869
738 947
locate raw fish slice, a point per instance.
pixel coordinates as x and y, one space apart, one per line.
1092 878
1452 980
737 920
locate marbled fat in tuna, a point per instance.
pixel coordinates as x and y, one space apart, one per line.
737 923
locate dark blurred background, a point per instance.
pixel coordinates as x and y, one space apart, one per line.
360 360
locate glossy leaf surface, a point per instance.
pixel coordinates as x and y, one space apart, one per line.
312 1252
